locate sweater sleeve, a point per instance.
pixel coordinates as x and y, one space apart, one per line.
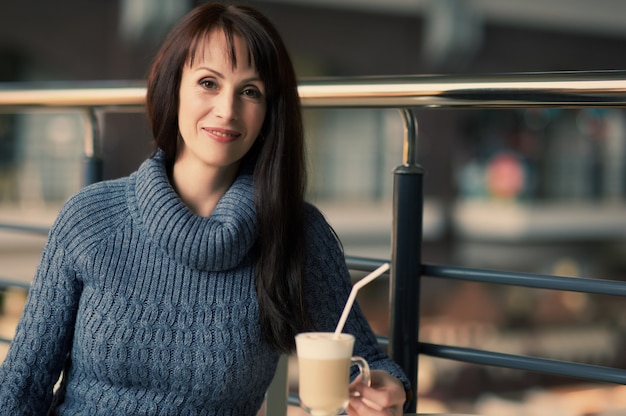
43 337
328 287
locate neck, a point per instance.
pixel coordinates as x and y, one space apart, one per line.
200 187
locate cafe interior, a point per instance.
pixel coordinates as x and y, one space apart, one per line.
529 189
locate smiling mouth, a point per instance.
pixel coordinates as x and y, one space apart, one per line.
222 135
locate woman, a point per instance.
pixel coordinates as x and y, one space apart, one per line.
173 291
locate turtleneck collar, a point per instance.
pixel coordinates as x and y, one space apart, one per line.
215 243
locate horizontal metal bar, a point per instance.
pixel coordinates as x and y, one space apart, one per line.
383 341
576 88
541 365
573 284
513 90
7 282
4 340
364 264
24 228
293 400
540 281
73 94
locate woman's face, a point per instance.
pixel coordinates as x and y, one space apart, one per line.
222 107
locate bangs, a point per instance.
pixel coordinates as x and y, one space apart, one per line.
196 48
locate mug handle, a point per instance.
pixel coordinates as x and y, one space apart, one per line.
364 369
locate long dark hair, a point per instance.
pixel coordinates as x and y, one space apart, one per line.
277 155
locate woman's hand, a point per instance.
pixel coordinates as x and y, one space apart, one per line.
386 396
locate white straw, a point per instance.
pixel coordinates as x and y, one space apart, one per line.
346 310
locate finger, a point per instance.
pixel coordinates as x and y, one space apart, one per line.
367 402
371 397
357 407
372 404
375 398
384 395
356 387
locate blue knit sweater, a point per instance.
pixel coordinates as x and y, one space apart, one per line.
157 308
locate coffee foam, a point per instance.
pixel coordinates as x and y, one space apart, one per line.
324 345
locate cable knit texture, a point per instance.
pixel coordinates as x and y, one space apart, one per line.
157 308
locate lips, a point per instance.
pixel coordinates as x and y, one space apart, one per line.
222 135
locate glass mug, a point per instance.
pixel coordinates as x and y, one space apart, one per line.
324 363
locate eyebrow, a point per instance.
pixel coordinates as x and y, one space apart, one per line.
220 75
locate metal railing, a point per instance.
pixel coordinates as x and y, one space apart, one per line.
524 90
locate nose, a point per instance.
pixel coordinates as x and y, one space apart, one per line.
226 106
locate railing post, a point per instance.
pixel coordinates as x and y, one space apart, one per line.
92 146
406 258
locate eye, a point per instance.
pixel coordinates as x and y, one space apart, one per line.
252 92
208 83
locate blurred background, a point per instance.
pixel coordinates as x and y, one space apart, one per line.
538 190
